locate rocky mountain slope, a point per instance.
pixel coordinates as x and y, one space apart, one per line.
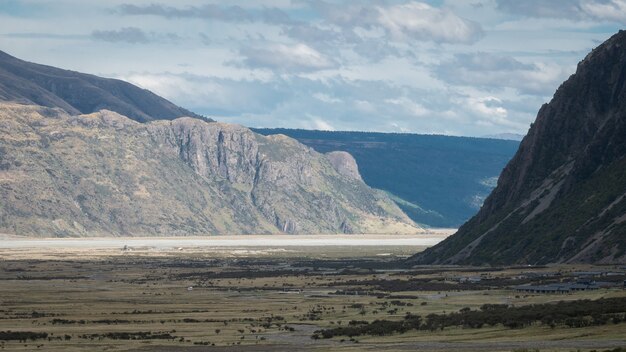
563 196
79 93
439 181
105 174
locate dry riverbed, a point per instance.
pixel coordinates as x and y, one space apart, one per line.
242 245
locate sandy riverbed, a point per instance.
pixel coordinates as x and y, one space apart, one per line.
427 239
323 246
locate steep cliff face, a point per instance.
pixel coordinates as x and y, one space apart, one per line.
562 198
77 93
345 164
104 174
440 181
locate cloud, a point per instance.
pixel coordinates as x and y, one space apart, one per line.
326 98
492 72
281 57
603 10
541 8
131 35
410 21
35 35
208 12
421 21
314 35
339 23
340 104
488 107
317 123
134 35
614 10
409 106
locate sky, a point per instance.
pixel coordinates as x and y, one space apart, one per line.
471 67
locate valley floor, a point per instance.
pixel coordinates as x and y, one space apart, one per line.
427 239
271 297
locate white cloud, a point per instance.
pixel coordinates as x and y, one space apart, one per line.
281 57
354 105
399 22
409 106
421 21
364 106
495 72
579 10
326 98
233 13
488 107
319 124
133 35
614 10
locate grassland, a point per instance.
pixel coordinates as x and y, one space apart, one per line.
265 299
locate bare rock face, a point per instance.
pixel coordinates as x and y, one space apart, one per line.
104 174
344 164
562 198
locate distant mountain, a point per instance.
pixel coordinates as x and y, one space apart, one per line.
104 174
79 93
506 136
438 181
562 198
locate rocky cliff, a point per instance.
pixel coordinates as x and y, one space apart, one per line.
439 181
77 93
345 164
562 198
105 174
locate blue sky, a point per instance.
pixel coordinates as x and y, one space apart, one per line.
473 67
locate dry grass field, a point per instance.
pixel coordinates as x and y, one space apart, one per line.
266 298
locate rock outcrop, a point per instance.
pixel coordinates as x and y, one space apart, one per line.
562 198
344 164
104 174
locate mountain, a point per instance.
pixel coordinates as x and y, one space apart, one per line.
79 93
104 174
562 198
506 136
439 181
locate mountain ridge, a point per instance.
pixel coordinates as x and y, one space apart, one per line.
103 174
562 198
81 93
439 181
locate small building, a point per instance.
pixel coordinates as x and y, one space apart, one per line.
555 288
470 280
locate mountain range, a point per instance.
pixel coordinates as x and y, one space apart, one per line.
87 156
79 93
562 198
438 181
506 136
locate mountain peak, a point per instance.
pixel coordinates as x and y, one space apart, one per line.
562 198
79 93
